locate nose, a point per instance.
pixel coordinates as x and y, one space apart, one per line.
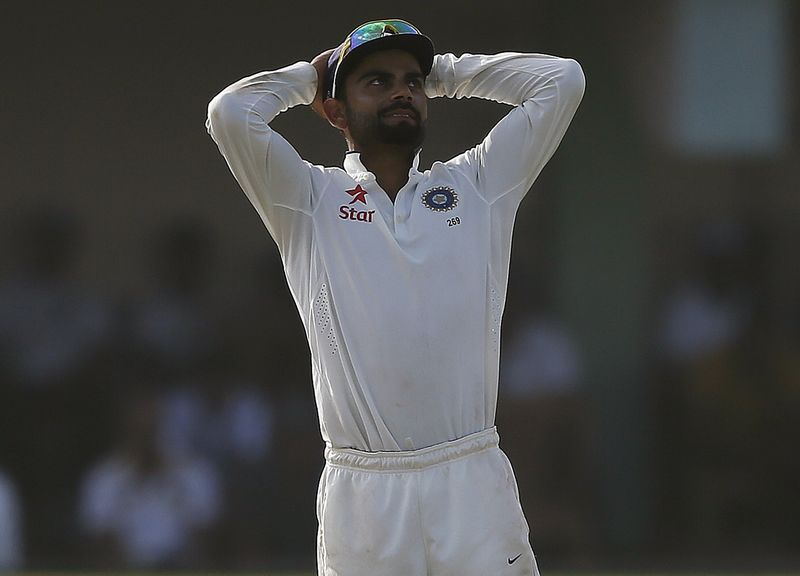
402 91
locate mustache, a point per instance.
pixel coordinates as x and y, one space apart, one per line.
400 106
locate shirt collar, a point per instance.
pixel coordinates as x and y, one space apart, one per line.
357 170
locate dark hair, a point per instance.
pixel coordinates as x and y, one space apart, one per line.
341 91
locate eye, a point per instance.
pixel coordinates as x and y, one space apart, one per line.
377 81
415 82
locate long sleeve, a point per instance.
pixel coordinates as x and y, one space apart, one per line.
545 91
269 170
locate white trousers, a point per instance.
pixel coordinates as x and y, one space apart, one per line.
448 510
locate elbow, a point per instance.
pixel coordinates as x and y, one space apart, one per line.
573 81
221 110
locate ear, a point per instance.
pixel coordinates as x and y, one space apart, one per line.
334 112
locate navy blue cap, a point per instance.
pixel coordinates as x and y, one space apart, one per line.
374 36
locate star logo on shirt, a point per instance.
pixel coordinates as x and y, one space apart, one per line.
358 194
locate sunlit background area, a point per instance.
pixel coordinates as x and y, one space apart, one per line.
156 407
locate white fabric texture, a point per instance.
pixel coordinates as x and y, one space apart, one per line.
449 510
401 302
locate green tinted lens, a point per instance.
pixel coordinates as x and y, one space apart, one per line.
373 30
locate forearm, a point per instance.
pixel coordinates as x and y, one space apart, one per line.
545 92
258 99
268 169
508 78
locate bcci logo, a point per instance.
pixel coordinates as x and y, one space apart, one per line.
440 199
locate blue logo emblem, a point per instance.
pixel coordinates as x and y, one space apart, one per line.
440 199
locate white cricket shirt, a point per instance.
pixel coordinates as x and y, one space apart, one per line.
402 301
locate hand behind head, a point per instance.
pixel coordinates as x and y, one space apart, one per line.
320 62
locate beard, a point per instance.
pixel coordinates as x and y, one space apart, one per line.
368 128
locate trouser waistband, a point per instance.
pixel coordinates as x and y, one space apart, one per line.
413 459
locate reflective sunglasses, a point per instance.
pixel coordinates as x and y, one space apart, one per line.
378 29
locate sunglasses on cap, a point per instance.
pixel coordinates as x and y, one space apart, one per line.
399 33
378 29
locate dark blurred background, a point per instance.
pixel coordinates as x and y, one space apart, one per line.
155 399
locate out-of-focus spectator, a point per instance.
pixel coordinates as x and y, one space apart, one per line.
712 395
10 526
49 327
709 311
223 419
541 360
264 332
53 331
230 421
144 507
266 341
543 424
173 327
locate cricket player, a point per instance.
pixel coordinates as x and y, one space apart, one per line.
400 278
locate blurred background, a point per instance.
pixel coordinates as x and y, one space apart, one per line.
155 400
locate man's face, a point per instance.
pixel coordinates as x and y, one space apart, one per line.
385 100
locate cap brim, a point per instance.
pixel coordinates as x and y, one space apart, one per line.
420 46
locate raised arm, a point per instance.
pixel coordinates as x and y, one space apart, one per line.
269 170
545 91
